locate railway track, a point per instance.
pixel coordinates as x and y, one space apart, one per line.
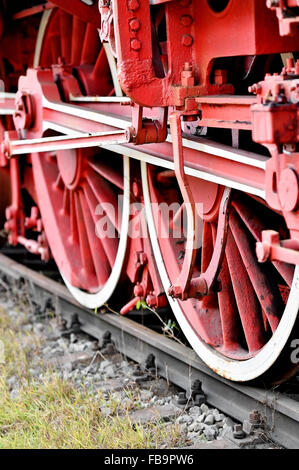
176 362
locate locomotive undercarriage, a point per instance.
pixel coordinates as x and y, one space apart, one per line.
177 131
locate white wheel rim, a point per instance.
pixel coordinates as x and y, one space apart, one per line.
101 297
239 371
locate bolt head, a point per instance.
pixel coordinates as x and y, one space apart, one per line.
134 24
186 20
175 291
138 290
238 432
151 300
135 45
133 5
187 40
255 417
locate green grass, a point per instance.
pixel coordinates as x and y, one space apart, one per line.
51 412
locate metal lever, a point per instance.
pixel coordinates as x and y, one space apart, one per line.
12 146
185 286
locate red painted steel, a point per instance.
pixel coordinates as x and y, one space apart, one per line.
215 69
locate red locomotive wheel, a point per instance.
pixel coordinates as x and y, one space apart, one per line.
80 192
240 330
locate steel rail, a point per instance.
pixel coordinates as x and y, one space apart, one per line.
177 363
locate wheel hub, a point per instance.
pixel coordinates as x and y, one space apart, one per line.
69 165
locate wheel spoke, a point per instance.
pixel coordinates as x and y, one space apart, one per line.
256 227
270 303
226 301
74 230
228 311
207 246
90 50
59 182
66 201
66 35
55 48
100 261
176 223
77 40
247 302
110 244
105 197
86 257
107 172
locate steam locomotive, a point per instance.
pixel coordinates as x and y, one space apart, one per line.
150 147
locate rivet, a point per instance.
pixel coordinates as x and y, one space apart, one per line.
186 20
135 44
133 5
134 24
187 40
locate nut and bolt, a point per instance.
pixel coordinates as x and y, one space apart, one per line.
187 40
255 418
151 300
187 75
238 432
175 291
197 393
